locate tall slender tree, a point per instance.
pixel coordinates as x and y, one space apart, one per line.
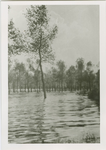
90 74
41 35
61 72
70 77
80 68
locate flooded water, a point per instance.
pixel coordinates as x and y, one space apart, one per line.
62 115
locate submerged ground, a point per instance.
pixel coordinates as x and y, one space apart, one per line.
62 117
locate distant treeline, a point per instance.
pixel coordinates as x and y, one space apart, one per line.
80 77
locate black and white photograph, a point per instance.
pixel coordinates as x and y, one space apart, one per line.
53 74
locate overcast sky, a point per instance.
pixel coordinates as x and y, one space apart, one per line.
78 31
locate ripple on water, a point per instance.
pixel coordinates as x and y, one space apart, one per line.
61 115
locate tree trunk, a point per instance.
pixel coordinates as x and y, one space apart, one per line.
59 86
40 63
55 87
25 87
27 83
19 81
34 89
37 87
81 81
20 88
28 87
49 88
13 87
17 84
62 86
52 86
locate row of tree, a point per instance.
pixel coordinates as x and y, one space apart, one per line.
58 78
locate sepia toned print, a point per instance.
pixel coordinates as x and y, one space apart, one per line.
53 74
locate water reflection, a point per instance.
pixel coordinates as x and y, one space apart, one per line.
61 115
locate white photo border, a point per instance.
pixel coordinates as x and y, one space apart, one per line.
4 79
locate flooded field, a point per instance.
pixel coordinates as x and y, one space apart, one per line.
62 116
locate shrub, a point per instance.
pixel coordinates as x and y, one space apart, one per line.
94 94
